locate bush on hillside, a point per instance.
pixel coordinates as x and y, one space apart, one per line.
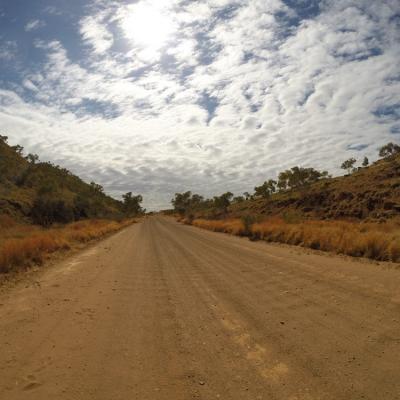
46 212
389 149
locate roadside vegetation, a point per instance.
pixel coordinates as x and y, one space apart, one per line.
372 240
22 245
44 208
357 214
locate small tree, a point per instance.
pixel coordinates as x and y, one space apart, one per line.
181 202
246 195
196 201
3 138
266 189
222 202
349 165
299 177
389 150
96 187
132 204
18 149
365 162
282 181
32 158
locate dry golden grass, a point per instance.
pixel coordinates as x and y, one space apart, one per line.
22 245
232 226
371 240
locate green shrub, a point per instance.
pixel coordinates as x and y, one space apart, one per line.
45 212
248 221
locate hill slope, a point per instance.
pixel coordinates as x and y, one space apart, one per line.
370 193
46 193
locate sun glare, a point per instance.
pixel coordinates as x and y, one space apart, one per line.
148 24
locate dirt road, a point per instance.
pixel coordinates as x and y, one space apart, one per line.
166 311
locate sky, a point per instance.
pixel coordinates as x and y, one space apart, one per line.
164 96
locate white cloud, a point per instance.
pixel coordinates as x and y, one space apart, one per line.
8 49
52 10
28 84
95 33
34 25
276 95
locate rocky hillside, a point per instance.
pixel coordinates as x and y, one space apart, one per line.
368 193
45 193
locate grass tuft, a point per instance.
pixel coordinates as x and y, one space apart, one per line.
232 226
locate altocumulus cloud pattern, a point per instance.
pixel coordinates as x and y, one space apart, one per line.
160 96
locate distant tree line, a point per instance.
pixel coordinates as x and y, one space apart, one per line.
297 177
186 203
